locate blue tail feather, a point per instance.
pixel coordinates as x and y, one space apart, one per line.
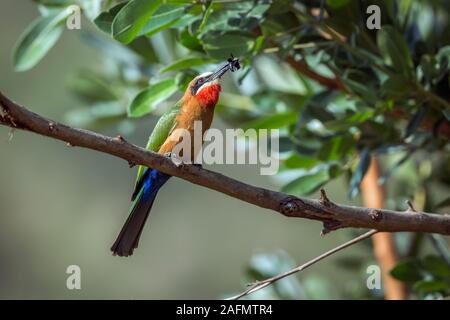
146 190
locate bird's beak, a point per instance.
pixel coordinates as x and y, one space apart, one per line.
232 65
219 73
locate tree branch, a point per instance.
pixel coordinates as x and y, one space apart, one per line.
264 283
333 216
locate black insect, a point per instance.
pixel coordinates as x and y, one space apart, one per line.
233 63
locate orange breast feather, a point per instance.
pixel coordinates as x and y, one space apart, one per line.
191 111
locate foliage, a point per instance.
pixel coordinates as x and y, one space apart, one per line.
393 100
430 276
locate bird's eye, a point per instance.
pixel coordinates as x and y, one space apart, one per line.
200 80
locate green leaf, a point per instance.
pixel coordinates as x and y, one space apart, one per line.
358 175
144 49
275 121
131 19
308 183
336 148
189 41
233 16
186 20
259 42
394 50
362 90
316 108
206 16
428 286
296 161
407 271
185 63
396 86
105 19
221 47
436 266
350 121
38 39
147 100
163 18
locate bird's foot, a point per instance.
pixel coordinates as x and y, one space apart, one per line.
169 155
176 159
179 161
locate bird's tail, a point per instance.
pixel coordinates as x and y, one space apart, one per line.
143 197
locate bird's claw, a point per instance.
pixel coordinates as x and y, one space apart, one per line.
175 159
179 162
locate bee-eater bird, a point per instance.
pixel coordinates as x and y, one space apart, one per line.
197 104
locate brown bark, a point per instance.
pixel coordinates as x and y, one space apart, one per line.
333 216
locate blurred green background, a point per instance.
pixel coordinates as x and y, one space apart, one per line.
61 206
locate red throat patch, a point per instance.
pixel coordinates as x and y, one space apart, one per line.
209 96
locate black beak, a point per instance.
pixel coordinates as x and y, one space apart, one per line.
232 65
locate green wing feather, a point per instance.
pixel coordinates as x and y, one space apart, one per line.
162 130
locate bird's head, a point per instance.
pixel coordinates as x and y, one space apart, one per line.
205 88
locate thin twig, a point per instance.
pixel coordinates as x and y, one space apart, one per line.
264 283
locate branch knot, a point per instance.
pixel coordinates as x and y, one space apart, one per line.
289 206
120 139
376 215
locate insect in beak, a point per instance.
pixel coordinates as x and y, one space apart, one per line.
232 65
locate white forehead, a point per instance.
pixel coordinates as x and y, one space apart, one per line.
206 84
204 74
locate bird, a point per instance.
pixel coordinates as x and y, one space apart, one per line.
197 104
